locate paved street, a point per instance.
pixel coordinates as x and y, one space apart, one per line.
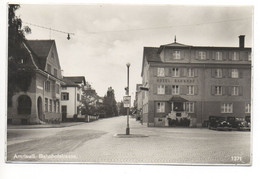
101 142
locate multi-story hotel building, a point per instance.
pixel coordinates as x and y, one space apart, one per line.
195 82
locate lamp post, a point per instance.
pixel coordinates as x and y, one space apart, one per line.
127 93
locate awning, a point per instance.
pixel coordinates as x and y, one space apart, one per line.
177 99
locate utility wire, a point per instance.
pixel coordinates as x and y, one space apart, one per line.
49 28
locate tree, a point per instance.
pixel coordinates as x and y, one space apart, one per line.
110 106
89 99
19 73
122 109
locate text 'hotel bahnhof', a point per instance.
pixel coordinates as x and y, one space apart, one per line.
203 81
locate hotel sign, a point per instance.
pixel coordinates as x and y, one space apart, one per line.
179 80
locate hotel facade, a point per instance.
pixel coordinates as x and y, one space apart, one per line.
195 82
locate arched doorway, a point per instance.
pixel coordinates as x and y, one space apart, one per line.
39 108
24 104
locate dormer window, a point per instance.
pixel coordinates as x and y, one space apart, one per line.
202 55
176 55
235 56
218 55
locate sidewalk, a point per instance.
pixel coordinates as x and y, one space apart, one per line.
65 124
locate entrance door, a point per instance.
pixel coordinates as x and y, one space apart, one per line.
39 107
64 112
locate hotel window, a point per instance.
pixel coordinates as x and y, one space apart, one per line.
175 89
202 55
161 89
50 105
160 107
49 68
46 104
247 108
190 72
190 90
190 107
219 73
235 56
47 86
218 90
177 55
234 91
160 72
218 55
175 72
64 96
55 106
234 73
227 108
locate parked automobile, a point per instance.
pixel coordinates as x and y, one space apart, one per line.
239 123
218 123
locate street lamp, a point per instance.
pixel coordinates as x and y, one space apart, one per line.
127 93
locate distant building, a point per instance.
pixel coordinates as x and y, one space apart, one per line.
41 102
195 82
71 96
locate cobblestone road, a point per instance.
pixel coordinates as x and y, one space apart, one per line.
101 142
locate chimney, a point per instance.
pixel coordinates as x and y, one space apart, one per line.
241 41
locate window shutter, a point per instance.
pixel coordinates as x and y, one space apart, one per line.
230 55
182 54
213 90
213 55
240 90
183 72
155 89
207 55
166 72
224 90
155 71
225 55
240 73
213 72
183 89
229 90
197 54
246 56
169 71
195 72
196 90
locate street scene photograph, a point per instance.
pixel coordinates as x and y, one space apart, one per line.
129 84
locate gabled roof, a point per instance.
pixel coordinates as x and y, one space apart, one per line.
68 82
76 79
41 49
175 44
177 99
151 54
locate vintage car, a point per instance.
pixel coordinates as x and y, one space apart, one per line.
218 123
239 123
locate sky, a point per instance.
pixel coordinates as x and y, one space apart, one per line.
107 36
